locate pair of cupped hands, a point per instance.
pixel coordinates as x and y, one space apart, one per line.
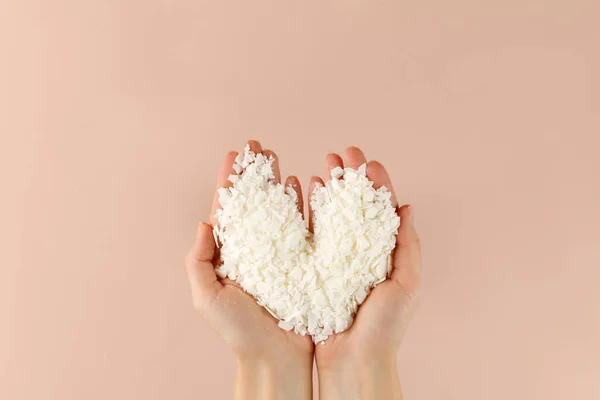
276 364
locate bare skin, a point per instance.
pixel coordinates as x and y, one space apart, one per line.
359 363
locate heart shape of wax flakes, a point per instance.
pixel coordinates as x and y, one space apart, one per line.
312 283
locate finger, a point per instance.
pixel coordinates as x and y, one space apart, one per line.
294 183
354 158
224 172
254 146
407 255
199 267
276 171
331 161
230 282
315 181
379 176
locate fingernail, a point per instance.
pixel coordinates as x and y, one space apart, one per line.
199 228
411 214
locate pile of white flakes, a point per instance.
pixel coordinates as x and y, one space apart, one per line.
310 283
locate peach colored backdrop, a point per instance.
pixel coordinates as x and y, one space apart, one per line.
114 118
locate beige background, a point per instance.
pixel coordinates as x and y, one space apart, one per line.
114 118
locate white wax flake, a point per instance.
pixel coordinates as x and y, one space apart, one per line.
286 326
216 236
363 170
337 172
313 284
233 178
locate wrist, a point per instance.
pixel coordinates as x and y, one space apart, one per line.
273 378
352 377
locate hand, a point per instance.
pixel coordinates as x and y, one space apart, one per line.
272 363
360 363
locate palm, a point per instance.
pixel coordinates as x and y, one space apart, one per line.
248 328
379 324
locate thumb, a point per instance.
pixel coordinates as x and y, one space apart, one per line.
199 267
407 256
